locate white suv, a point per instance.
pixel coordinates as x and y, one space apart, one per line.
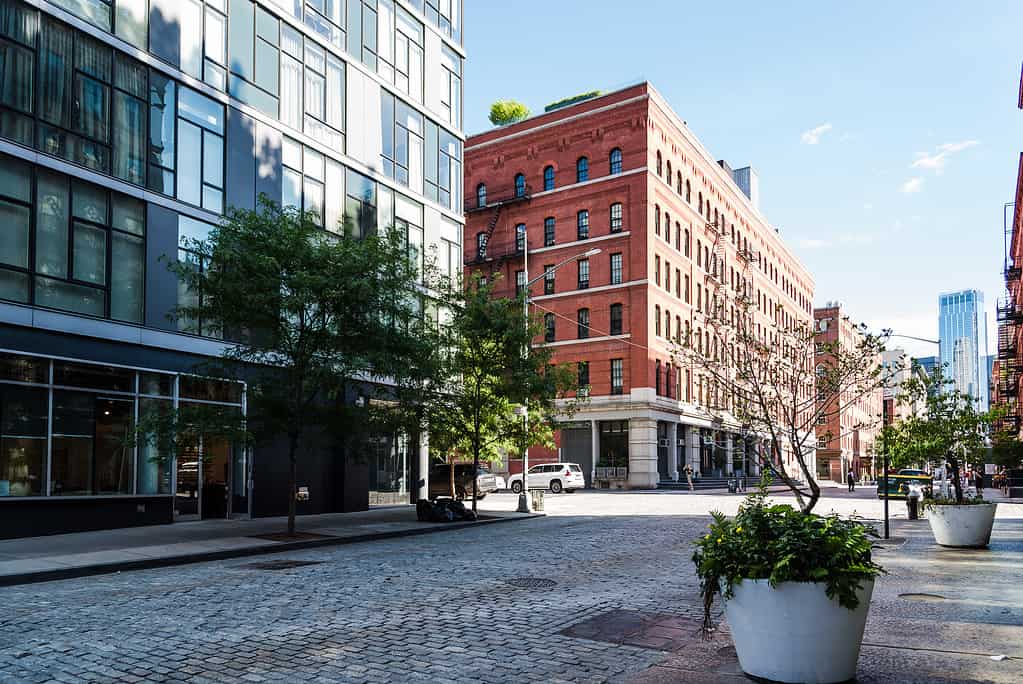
553 476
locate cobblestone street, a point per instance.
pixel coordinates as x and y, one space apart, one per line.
442 607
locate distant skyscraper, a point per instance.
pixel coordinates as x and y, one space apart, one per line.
962 326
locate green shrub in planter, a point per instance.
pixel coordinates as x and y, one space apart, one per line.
781 544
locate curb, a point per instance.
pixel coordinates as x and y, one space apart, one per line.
284 547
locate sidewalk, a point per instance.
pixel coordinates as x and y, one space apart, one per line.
939 615
41 559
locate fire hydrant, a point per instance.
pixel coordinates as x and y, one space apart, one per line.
913 501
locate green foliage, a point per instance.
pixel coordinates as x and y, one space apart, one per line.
781 544
506 112
491 367
564 102
947 428
930 502
305 314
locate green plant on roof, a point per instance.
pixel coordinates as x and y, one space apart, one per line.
571 100
505 112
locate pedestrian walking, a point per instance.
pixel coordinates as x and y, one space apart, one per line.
689 476
850 478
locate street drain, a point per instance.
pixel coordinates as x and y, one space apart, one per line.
922 597
531 582
283 564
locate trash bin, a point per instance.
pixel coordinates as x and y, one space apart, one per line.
537 495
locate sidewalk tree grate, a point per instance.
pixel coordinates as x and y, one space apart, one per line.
531 582
922 597
282 564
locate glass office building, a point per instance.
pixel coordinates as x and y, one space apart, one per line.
129 125
962 329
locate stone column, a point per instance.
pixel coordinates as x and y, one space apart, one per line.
693 449
728 454
594 451
643 453
673 439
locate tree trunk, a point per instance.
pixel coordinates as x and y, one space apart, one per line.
475 472
451 474
292 480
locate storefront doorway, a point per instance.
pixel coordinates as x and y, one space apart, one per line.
211 481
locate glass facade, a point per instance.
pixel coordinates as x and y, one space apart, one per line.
298 82
66 427
962 329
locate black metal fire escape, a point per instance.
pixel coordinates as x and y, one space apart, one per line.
497 208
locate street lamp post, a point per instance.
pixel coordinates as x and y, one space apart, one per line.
524 494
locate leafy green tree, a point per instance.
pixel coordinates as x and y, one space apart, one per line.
493 367
947 429
506 112
307 316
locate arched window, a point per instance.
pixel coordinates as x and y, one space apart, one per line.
699 253
582 170
669 173
615 160
616 217
657 376
687 242
689 192
678 182
548 178
715 218
520 185
481 195
699 204
659 162
657 321
657 220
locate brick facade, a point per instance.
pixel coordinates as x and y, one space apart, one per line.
677 204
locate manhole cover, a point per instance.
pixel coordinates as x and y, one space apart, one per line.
283 564
922 597
531 582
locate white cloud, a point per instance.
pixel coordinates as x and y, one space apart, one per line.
868 206
936 161
813 136
856 238
913 185
812 243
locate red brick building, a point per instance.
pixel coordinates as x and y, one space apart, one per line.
845 441
622 173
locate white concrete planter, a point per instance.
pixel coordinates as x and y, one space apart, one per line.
795 633
962 526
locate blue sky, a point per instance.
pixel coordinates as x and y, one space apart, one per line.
887 140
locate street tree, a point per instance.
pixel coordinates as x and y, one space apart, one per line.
775 378
948 428
307 315
493 367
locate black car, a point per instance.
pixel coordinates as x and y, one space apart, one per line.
440 481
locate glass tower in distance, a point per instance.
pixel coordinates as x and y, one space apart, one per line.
962 329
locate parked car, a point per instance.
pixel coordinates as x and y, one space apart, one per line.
440 481
553 476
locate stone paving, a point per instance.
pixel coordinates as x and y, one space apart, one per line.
440 608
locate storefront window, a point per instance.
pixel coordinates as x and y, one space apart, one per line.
23 416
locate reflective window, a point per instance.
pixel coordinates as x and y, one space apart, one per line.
548 231
616 319
548 178
96 12
583 323
23 432
443 169
403 145
582 170
616 217
582 225
616 269
520 185
360 212
615 160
